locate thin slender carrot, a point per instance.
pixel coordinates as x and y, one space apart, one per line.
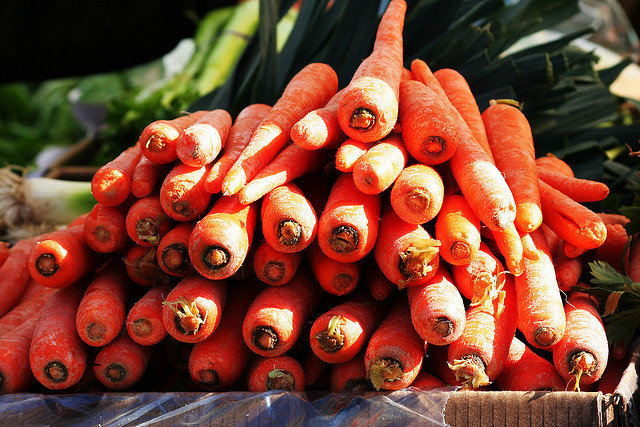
182 194
319 128
417 194
378 168
144 319
482 280
15 372
457 230
348 154
121 363
173 250
146 176
200 143
350 376
142 266
379 286
146 222
272 267
509 242
580 190
551 162
14 274
158 140
105 228
422 73
111 184
275 373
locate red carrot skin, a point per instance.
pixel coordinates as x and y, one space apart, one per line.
275 373
182 194
405 253
245 124
146 222
201 142
378 168
634 260
429 129
608 382
275 268
193 308
350 376
105 228
292 162
348 225
417 194
379 286
14 274
541 317
348 154
319 128
568 270
553 163
426 381
509 135
158 140
121 363
144 320
335 277
31 290
613 219
4 252
457 230
289 221
274 321
570 220
613 250
308 90
395 351
177 353
15 372
111 184
338 335
102 311
482 279
146 176
524 370
572 251
436 363
509 242
437 309
220 241
580 190
368 108
57 355
142 266
24 310
581 355
316 372
173 250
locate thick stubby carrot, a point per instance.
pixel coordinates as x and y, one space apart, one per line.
142 266
348 154
146 222
105 228
111 184
368 108
426 381
319 128
121 363
308 90
581 355
417 194
289 221
378 168
316 372
4 252
348 225
580 190
275 373
173 250
482 279
102 311
350 376
524 370
272 267
395 351
335 277
200 143
379 286
182 193
220 241
292 162
274 321
193 308
509 135
15 372
144 319
25 309
553 163
14 274
57 355
245 124
437 309
146 177
509 242
406 253
338 335
457 230
541 317
614 247
429 129
158 140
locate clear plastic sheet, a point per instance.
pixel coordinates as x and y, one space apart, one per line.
400 408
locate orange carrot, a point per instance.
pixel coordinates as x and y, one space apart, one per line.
482 280
173 250
335 277
272 267
509 242
14 274
158 140
111 184
142 266
15 372
145 177
200 143
572 251
422 73
426 381
568 270
144 320
350 376
275 373
319 128
457 230
146 222
417 194
348 154
182 194
613 250
634 260
580 190
25 308
121 363
551 162
379 286
105 228
378 168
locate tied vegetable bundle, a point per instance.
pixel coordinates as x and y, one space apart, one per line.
386 232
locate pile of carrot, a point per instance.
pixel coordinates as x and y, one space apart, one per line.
382 235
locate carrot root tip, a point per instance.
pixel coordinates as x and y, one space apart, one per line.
175 257
56 371
385 370
415 261
183 207
342 282
443 326
362 119
344 238
264 338
281 380
142 327
274 271
215 257
289 232
209 377
115 372
470 371
47 265
332 338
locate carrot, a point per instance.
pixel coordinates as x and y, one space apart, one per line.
177 353
289 221
541 318
509 135
634 259
220 241
378 168
182 193
319 128
121 363
339 334
421 72
146 222
395 351
426 381
348 154
580 190
291 163
436 364
417 194
348 225
350 376
581 355
145 177
315 372
173 250
614 249
553 163
379 286
335 277
406 253
572 251
105 228
457 230
482 280
31 290
509 242
368 108
79 220
429 128
158 140
274 320
308 90
193 308
201 142
245 124
275 373
524 370
4 252
111 184
14 274
15 372
57 355
142 266
144 319
25 309
613 219
568 270
437 309
272 267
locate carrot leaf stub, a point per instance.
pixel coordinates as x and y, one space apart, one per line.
362 119
415 261
215 257
188 318
209 377
470 371
582 363
281 380
289 232
332 338
47 264
115 372
265 337
383 370
344 238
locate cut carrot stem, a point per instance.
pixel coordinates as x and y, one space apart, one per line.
158 140
350 376
146 176
14 274
275 373
111 184
348 154
417 194
121 363
182 194
319 128
142 266
272 267
379 286
457 230
146 222
482 280
378 168
144 320
553 163
580 190
335 277
105 228
173 250
200 143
